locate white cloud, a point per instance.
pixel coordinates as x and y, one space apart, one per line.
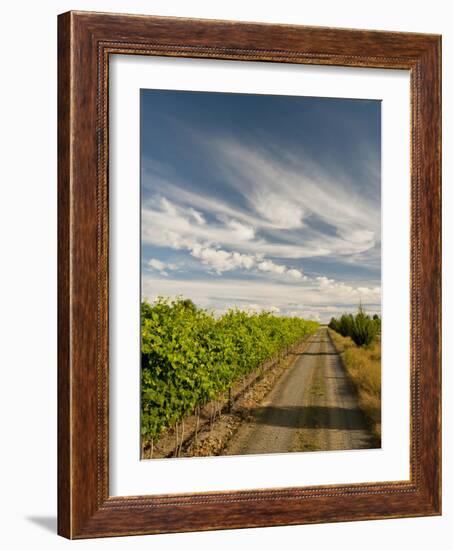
271 267
156 264
221 260
242 231
167 223
282 213
161 267
325 282
359 236
295 273
197 216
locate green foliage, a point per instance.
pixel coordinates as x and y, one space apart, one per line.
362 328
189 357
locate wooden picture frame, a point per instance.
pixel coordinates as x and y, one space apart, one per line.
85 42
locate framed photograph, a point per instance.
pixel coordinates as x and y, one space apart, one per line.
249 275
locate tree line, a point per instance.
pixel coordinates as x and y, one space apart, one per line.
361 327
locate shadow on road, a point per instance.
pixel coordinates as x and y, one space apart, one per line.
314 417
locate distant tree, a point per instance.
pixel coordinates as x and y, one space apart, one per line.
361 328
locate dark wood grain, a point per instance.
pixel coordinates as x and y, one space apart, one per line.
64 367
86 40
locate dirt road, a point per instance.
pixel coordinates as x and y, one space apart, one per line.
312 407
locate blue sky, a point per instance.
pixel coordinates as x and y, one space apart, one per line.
261 202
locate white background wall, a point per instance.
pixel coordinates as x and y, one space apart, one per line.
28 125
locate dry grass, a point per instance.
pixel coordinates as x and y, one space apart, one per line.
363 365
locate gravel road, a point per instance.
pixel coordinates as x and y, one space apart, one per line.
313 407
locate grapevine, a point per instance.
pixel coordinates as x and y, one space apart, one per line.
190 357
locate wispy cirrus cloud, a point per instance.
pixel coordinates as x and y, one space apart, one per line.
284 195
251 209
161 267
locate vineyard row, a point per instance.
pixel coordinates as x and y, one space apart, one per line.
190 357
